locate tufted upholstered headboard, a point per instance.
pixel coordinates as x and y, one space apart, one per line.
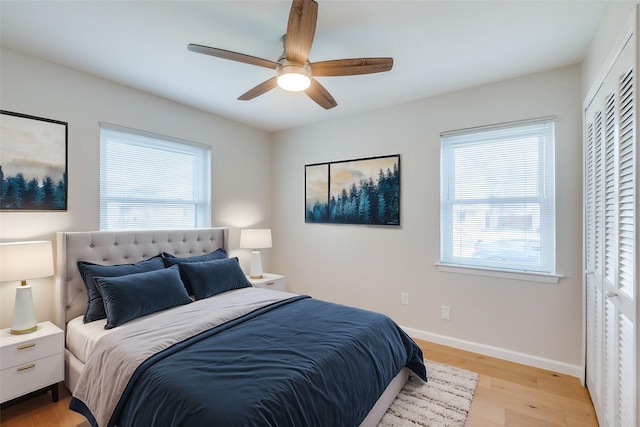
120 247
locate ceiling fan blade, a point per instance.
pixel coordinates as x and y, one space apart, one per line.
233 56
320 95
300 30
351 67
262 88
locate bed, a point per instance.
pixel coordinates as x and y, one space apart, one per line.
230 355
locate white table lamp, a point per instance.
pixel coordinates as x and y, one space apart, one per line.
255 239
20 261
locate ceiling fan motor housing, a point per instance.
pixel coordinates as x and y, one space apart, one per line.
293 76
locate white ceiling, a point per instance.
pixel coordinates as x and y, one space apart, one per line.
437 46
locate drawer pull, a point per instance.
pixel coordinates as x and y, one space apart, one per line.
271 283
24 346
25 367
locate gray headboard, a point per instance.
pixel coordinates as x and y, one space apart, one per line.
120 247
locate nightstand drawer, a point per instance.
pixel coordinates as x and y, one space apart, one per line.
30 349
34 375
275 282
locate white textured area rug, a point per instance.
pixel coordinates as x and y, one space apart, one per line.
443 401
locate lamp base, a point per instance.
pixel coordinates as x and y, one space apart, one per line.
24 319
24 331
256 265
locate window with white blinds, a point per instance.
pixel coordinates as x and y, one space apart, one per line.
150 181
497 207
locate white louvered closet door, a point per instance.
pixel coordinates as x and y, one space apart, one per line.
610 244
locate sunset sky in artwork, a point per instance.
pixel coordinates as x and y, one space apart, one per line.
316 184
34 147
343 176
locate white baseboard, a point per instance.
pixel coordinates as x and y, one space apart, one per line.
500 353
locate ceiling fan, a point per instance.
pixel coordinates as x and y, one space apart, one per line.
294 72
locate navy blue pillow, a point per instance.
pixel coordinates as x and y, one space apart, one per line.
135 295
172 260
214 277
88 270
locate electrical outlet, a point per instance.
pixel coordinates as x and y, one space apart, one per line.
445 312
404 298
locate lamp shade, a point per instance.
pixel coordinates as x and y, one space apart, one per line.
255 238
25 260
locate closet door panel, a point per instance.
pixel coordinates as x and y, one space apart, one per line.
594 252
611 165
626 375
626 200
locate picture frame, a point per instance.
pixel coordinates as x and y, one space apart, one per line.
33 163
363 191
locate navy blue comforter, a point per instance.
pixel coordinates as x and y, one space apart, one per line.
299 362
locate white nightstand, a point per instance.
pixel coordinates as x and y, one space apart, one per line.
270 281
31 362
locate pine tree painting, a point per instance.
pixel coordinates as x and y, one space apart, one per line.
33 163
363 191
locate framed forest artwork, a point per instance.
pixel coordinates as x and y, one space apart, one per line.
361 191
33 163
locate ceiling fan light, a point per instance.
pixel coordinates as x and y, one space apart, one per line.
293 77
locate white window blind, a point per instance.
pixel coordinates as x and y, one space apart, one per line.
150 181
497 197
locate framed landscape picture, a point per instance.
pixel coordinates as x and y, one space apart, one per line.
361 191
33 163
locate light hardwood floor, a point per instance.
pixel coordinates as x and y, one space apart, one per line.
508 394
511 394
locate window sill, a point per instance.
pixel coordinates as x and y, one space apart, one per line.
503 274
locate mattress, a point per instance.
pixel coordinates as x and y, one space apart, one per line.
81 337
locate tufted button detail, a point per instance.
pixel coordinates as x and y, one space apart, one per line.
115 243
92 246
104 259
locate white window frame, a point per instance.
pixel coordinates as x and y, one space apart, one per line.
545 271
199 201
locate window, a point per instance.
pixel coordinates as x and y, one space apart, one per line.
150 181
497 197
